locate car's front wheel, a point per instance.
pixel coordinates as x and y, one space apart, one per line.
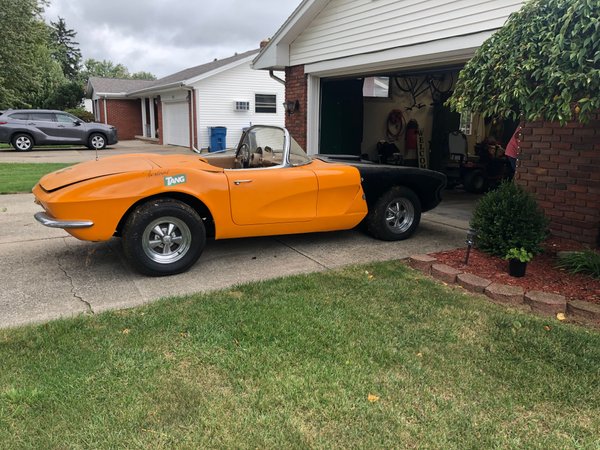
96 141
22 142
163 237
395 215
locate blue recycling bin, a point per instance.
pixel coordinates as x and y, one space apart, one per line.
217 139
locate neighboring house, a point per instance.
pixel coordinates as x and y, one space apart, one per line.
184 108
357 69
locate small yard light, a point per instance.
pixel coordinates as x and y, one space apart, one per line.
471 235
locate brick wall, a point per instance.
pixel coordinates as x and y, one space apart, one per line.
125 115
560 165
296 89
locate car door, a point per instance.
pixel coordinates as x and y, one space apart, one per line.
272 195
45 124
70 129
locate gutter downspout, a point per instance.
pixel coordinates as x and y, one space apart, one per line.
193 124
275 77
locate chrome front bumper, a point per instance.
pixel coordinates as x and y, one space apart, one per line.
51 222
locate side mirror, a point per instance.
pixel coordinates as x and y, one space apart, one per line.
78 123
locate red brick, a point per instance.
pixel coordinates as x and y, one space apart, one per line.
297 89
125 115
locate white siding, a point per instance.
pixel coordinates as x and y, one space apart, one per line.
351 27
216 97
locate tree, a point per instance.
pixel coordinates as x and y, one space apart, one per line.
64 49
104 68
107 69
65 96
544 64
26 67
143 76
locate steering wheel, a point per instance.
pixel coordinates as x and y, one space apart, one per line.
244 155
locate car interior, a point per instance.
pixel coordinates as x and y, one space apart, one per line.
260 148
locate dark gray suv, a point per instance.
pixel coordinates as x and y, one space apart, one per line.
25 128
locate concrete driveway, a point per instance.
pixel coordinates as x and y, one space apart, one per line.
46 274
80 154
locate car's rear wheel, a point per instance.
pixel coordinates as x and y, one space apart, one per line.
163 237
395 215
22 142
96 141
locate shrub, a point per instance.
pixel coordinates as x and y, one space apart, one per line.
587 261
506 218
82 114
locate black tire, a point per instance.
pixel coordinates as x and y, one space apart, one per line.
395 216
22 142
97 141
176 251
475 182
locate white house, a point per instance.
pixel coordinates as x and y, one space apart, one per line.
223 93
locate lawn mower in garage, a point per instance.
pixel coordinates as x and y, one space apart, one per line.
479 173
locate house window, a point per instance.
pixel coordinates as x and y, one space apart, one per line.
265 103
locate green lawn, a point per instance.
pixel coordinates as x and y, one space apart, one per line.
21 177
292 363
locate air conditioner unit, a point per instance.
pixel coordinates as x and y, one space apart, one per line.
241 105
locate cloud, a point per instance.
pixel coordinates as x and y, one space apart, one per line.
163 36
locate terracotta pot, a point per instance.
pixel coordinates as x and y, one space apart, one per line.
516 268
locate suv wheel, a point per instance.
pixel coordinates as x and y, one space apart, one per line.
22 142
96 141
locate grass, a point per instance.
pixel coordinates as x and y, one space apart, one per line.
372 356
21 177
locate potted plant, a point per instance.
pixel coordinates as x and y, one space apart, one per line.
517 261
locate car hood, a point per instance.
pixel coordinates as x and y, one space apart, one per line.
115 165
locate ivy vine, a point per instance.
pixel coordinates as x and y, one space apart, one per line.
544 63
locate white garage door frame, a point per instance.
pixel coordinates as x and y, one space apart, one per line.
176 123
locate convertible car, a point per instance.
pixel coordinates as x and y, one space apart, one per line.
164 207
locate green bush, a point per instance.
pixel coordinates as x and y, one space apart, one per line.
506 218
82 114
587 261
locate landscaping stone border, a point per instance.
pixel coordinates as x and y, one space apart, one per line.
538 302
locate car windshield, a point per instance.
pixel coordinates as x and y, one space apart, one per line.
298 156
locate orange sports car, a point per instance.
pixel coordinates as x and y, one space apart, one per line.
164 207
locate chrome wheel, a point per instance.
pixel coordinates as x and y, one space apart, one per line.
97 142
399 215
22 142
166 240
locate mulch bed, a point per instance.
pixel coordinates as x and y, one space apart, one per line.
542 274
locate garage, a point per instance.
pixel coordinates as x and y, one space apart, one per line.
372 80
176 123
400 118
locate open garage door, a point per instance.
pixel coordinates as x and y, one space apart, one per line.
176 122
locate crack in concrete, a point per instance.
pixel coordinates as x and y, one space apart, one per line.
306 255
88 306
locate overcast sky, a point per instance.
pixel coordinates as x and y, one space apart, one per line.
165 36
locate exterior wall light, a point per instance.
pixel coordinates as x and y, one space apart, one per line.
291 106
